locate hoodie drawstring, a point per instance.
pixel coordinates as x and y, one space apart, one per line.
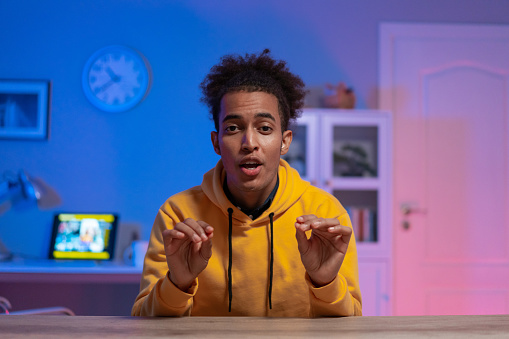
271 216
271 273
230 292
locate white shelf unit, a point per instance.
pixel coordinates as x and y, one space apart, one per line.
348 153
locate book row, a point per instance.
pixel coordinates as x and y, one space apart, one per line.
364 223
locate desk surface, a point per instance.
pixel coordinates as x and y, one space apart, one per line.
68 271
67 266
208 327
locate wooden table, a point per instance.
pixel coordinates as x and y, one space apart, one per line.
496 326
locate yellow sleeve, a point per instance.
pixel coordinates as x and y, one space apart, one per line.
158 296
342 297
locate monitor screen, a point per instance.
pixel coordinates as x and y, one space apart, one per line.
83 236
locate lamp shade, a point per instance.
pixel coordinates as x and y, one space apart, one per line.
21 191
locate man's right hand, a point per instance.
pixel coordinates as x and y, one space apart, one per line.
188 247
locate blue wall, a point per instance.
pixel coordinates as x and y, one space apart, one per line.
131 162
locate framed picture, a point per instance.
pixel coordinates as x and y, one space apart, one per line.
354 158
24 109
355 151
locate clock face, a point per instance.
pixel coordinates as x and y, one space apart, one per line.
116 78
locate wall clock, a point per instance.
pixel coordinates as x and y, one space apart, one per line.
116 78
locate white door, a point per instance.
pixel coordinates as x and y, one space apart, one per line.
448 89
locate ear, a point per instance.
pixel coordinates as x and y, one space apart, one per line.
287 140
214 137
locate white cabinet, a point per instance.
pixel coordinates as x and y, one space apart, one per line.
348 154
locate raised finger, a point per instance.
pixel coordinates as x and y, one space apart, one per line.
307 217
320 224
172 238
173 234
324 223
199 227
192 229
206 227
341 242
304 222
340 230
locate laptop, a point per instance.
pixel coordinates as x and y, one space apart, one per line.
83 236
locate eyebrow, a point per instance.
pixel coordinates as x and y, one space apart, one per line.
257 115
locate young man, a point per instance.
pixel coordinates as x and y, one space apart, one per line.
254 239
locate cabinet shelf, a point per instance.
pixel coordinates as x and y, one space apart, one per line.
354 183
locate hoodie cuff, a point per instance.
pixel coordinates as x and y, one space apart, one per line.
330 292
175 295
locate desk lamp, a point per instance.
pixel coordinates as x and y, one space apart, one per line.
21 192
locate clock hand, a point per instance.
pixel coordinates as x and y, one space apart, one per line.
112 75
113 79
106 85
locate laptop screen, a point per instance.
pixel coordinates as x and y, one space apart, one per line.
83 236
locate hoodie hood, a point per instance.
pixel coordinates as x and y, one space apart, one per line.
291 188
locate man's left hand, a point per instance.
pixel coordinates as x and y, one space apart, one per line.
323 253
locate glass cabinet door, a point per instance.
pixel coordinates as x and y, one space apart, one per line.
351 168
302 152
350 149
345 153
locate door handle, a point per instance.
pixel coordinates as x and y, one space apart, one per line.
407 209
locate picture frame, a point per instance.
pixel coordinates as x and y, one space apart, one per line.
24 109
354 158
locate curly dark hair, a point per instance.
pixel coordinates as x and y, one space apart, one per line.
254 73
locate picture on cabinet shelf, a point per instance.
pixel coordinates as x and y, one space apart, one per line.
354 159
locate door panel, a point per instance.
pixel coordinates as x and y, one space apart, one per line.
448 87
466 138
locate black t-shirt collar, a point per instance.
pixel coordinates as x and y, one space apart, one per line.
256 212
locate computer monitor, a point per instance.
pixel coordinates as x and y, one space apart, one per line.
83 236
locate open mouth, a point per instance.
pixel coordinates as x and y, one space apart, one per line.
250 165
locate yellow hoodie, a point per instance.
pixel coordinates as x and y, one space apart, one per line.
293 294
